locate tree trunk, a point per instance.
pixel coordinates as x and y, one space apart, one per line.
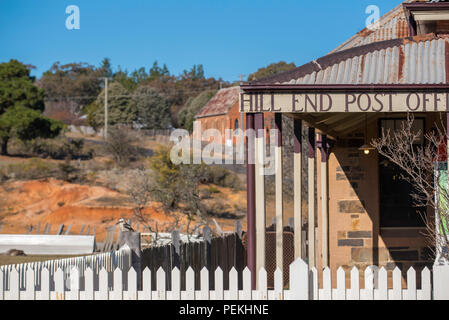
4 150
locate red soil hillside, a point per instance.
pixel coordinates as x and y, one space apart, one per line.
26 203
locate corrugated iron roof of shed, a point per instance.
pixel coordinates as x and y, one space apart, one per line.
220 104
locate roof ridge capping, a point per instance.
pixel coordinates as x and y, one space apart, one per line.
339 56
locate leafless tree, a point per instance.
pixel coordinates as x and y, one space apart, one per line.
141 189
421 166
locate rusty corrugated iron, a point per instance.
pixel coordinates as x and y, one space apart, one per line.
417 60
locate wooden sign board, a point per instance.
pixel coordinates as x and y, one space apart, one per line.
345 102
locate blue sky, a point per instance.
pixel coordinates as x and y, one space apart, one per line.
229 37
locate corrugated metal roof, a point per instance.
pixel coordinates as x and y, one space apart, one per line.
220 103
413 62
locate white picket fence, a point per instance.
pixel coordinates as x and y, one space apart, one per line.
43 276
88 282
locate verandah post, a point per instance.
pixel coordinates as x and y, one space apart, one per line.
324 201
279 198
250 198
297 180
311 194
260 193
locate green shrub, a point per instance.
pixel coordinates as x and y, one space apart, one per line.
222 177
59 148
213 189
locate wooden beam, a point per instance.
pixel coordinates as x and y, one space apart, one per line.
279 198
297 180
260 194
312 122
311 193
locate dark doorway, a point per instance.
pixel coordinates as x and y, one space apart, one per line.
397 207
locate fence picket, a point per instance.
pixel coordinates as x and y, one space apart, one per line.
411 284
340 292
247 289
397 285
132 285
368 292
89 284
233 285
278 284
383 285
175 284
204 277
263 292
354 292
426 290
44 293
59 284
29 287
13 285
326 292
146 285
117 292
218 284
103 290
160 284
74 284
299 280
190 285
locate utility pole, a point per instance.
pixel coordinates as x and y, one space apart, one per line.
106 116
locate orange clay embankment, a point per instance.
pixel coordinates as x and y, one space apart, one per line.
28 203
